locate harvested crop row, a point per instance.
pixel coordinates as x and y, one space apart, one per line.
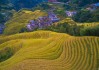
46 50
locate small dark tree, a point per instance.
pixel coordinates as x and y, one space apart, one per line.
5 54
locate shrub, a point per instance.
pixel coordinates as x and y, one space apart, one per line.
5 54
90 31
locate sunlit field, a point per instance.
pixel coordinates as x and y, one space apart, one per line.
46 50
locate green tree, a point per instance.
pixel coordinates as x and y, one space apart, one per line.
82 16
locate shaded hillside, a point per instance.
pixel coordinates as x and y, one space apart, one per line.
5 11
49 50
19 4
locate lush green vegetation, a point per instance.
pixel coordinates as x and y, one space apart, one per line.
90 31
87 16
66 28
82 15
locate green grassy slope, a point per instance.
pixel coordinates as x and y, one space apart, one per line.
46 50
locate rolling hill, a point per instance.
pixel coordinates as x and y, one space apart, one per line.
46 50
64 47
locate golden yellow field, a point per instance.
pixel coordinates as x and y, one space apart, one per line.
46 50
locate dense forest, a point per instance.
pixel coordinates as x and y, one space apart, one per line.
80 2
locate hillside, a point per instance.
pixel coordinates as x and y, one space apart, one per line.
18 23
73 28
20 20
46 50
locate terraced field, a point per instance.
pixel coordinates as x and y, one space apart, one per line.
46 50
20 20
89 24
